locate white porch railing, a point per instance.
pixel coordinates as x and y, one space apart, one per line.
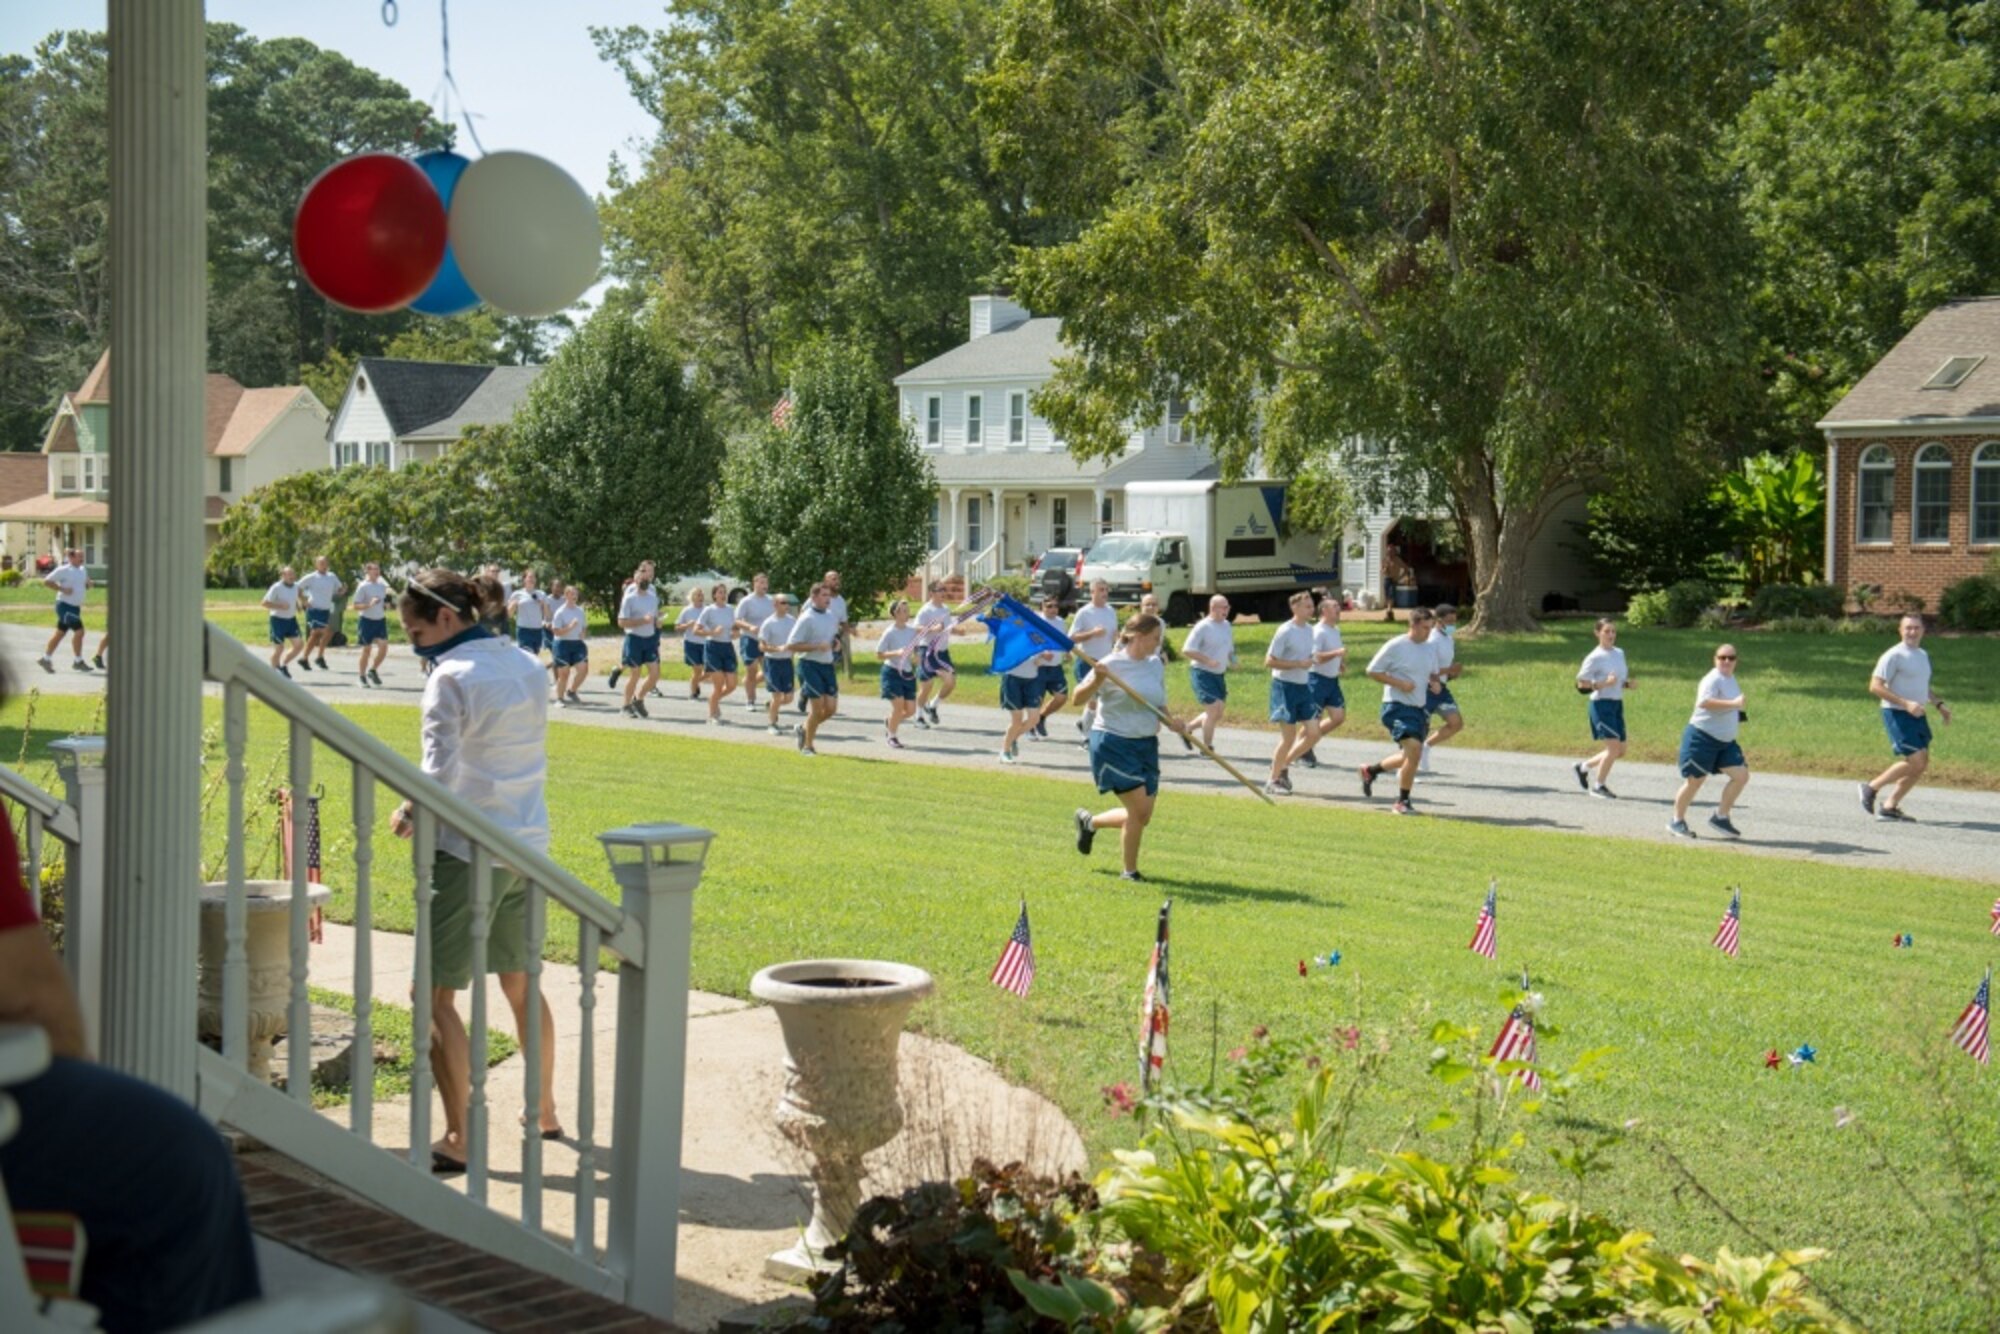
942 563
657 868
983 566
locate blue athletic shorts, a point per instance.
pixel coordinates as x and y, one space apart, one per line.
282 628
1209 687
372 629
1907 735
1054 680
818 679
750 649
1440 701
570 652
1327 693
935 664
640 650
1607 720
1292 702
692 652
1021 692
530 641
720 656
1082 670
778 675
69 616
1703 755
896 685
318 618
1405 721
1122 763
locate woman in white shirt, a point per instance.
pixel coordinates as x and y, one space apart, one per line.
716 625
1124 737
572 658
1604 677
694 652
529 608
485 737
896 651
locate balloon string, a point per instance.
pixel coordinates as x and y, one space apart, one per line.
451 81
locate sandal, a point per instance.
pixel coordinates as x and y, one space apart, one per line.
445 1165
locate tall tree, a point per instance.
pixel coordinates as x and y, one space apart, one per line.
1485 237
818 170
620 454
841 484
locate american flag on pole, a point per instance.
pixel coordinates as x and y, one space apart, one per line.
1016 970
286 837
1996 917
1725 934
1517 1040
1153 1016
1970 1031
781 413
1485 936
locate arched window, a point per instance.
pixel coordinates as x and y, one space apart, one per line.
1986 494
1930 497
1875 501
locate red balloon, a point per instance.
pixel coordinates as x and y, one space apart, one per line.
370 233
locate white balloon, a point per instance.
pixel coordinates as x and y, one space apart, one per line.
525 234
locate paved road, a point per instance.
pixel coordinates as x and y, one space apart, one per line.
1780 815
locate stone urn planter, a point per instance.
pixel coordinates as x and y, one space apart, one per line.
267 947
843 1025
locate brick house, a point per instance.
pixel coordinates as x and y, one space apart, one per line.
1913 459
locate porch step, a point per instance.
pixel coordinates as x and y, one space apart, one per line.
290 1204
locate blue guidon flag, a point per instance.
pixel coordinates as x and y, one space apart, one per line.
1019 633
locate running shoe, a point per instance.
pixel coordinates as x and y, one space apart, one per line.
711 721
1271 789
47 665
97 661
1085 831
799 738
80 666
921 721
1604 792
1131 875
1284 781
363 678
1868 798
612 680
1582 775
930 711
562 704
285 672
1367 780
304 664
1894 815
1679 829
895 743
375 678
750 706
629 711
1309 760
1007 757
1187 743
776 730
320 662
1403 806
1720 824
575 698
640 705
1042 729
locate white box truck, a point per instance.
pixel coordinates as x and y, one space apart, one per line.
1187 541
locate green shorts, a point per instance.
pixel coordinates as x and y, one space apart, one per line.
451 923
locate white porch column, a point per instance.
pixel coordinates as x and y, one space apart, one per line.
998 501
1096 528
954 529
159 341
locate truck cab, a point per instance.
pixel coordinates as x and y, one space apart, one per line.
1138 563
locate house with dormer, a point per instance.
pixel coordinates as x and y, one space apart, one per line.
251 437
396 413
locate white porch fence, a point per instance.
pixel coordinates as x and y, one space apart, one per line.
941 564
648 933
983 566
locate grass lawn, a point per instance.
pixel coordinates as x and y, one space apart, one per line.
844 856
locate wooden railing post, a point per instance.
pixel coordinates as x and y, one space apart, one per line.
80 761
657 867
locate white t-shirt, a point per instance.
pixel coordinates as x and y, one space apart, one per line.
485 737
527 608
635 606
1118 713
285 598
755 609
1907 672
1600 663
774 633
568 622
1718 723
718 619
815 627
319 590
1090 618
372 597
1325 639
1211 638
1414 662
689 615
1295 642
1442 648
893 638
838 606
71 581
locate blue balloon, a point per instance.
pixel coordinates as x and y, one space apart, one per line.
449 293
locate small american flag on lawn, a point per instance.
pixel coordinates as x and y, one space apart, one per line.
1485 936
1517 1041
781 412
1970 1032
1016 970
1725 934
1154 1013
1996 917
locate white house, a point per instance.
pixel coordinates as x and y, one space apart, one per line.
395 413
251 437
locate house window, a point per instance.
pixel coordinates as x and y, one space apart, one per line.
975 527
227 483
89 472
346 454
1930 497
1986 494
1059 521
378 453
1875 499
937 516
1106 520
975 419
66 472
90 545
1178 431
933 419
1952 374
1017 418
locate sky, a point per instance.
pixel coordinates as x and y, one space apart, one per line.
528 71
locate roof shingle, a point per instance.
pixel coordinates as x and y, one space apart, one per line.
414 394
1893 392
1024 350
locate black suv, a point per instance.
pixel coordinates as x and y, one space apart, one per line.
1056 575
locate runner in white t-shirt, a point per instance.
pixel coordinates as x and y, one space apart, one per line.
935 672
572 658
529 607
1902 681
281 606
70 582
780 674
694 649
318 592
717 626
639 618
751 613
1440 702
1604 677
1329 661
1403 666
1210 648
1289 658
1094 630
370 605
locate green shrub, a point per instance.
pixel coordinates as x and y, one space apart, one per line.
1677 606
1971 604
10 578
1778 601
1013 585
1865 625
1803 625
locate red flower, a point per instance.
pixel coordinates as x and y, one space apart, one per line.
1237 1053
1119 1099
1260 1032
1350 1037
